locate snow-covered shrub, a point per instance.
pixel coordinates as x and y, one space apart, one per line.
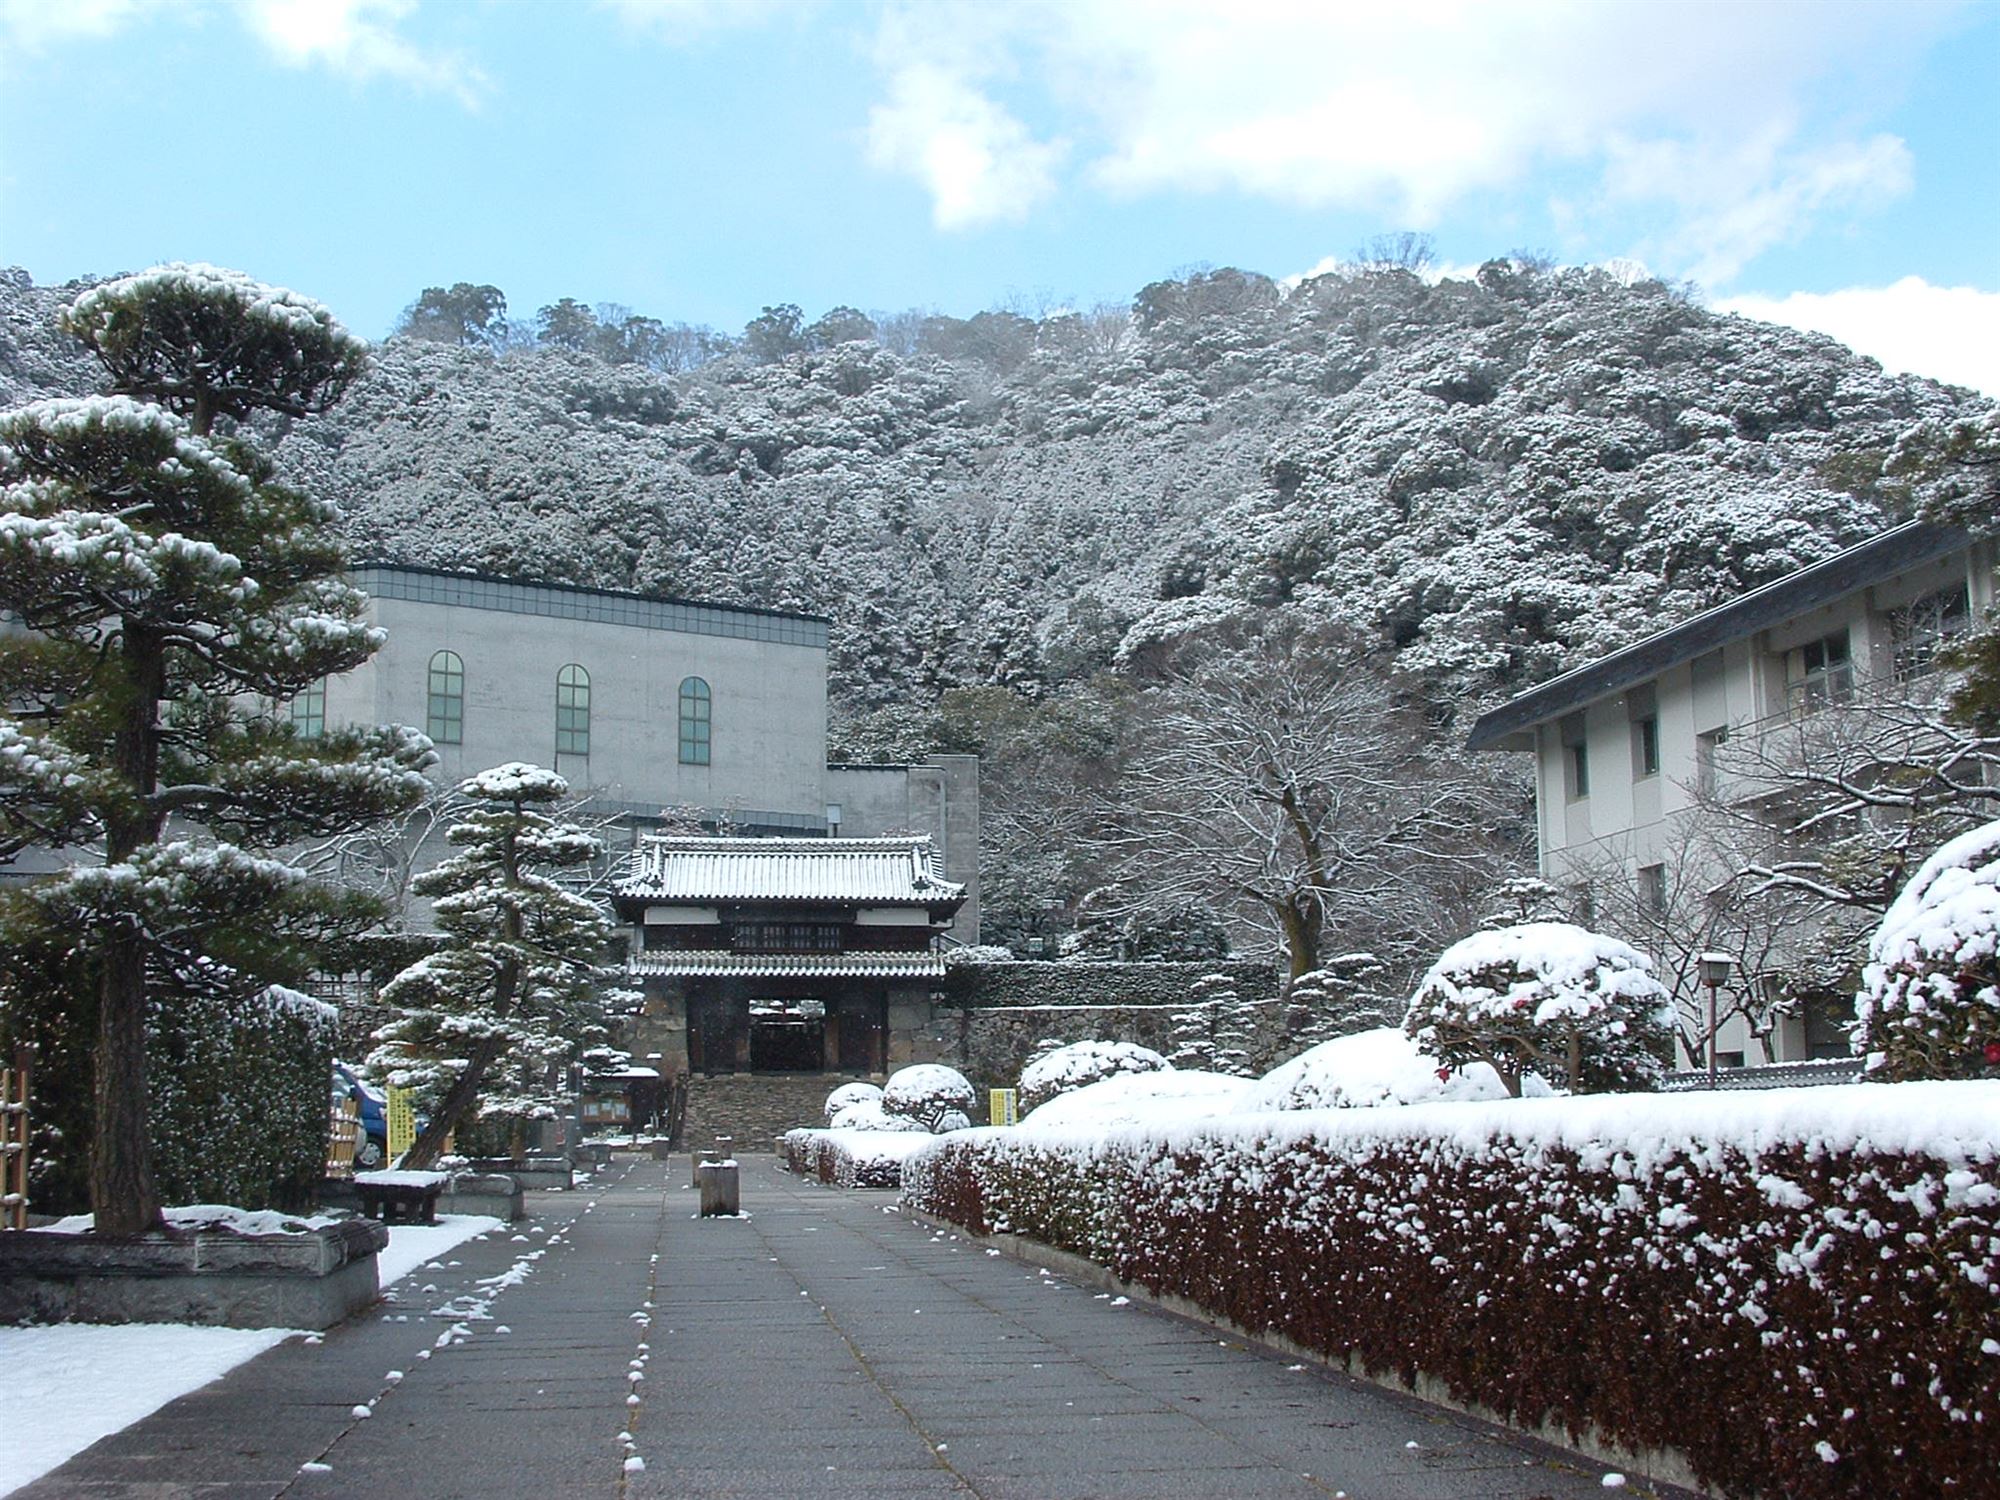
952 1119
927 1092
1344 995
851 1093
1581 1009
1061 1069
853 1158
1217 1029
980 953
1382 1066
868 1114
1929 1005
1815 1272
1171 1096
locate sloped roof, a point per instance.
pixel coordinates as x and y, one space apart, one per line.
671 869
791 965
1510 726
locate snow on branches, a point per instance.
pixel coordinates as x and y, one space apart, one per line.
1581 1009
1929 1005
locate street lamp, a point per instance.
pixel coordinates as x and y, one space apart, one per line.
1715 971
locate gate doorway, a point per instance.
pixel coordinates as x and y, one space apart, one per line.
787 1036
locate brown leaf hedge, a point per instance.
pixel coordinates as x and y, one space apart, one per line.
1805 1309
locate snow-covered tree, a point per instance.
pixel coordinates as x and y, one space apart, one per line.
1580 1009
174 594
1348 994
512 993
1061 1069
930 1094
1218 1030
1929 1005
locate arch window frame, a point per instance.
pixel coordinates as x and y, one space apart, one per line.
444 698
573 710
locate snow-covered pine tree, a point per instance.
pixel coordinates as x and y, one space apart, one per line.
512 992
173 595
1216 1032
1343 997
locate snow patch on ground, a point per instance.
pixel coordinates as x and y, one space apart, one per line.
91 1380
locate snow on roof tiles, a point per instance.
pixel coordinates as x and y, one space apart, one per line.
791 965
867 872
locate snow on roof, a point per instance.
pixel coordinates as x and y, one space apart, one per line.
868 872
710 962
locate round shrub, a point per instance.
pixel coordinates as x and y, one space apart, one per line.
851 1093
868 1114
1062 1069
926 1092
1582 1010
1929 1005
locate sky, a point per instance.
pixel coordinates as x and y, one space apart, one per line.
1821 163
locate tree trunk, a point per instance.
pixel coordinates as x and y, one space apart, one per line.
123 1197
429 1144
122 1193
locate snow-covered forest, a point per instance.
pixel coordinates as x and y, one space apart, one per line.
1015 522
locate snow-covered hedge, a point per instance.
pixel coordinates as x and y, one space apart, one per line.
1072 1067
1799 1289
849 1094
1929 1005
853 1158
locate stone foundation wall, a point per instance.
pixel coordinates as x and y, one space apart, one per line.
757 1108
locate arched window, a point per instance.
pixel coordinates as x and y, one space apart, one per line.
694 722
309 711
444 700
572 711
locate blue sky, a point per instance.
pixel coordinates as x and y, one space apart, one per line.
1828 164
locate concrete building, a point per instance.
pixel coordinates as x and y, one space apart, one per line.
1627 746
660 711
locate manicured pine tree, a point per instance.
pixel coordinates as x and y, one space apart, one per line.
512 993
174 595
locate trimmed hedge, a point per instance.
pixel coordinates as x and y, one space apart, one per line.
1799 1291
852 1158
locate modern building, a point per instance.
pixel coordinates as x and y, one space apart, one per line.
1628 747
664 713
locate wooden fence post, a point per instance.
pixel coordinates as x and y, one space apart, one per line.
14 1083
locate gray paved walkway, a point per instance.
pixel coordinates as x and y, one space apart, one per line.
820 1346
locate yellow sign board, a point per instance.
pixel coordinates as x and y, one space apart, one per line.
1000 1107
402 1123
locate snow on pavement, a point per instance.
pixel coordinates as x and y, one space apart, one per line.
90 1380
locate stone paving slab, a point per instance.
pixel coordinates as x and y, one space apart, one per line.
822 1345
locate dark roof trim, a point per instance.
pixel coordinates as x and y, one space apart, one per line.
356 565
1908 546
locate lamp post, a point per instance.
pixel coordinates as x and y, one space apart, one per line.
1715 971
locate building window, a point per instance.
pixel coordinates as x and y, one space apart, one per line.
695 722
1708 758
1653 890
309 711
1646 746
1919 630
572 711
1820 672
1576 759
444 700
785 937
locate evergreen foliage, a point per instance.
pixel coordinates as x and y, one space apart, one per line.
1929 1005
174 594
1580 1009
510 995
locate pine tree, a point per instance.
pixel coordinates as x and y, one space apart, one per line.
173 595
511 994
1216 1032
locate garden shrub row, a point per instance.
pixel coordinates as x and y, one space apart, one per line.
1798 1290
852 1158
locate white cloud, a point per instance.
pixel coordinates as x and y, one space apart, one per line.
358 39
1406 111
1950 333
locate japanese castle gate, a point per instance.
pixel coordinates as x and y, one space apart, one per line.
785 955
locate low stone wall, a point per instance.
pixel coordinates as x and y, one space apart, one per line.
224 1280
756 1108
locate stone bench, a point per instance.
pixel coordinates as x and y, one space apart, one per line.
400 1197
